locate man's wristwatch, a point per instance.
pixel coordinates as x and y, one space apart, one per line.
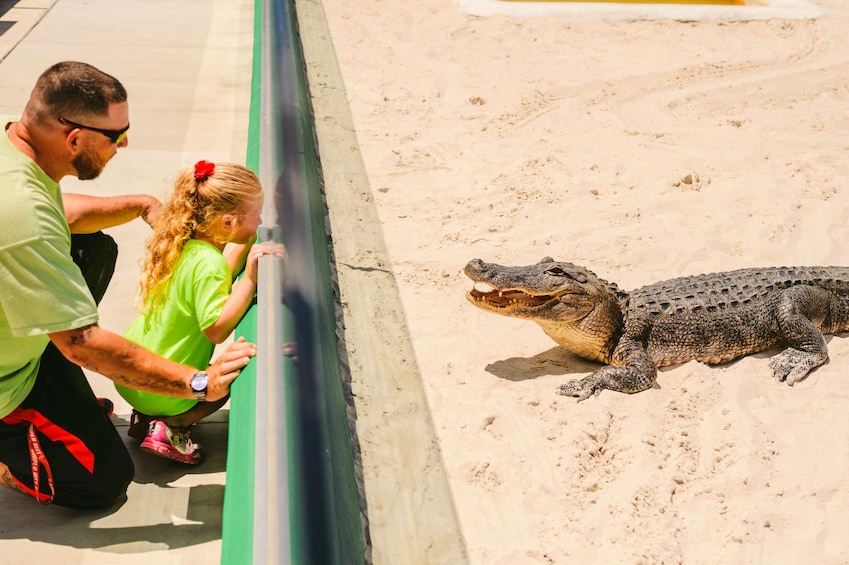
199 383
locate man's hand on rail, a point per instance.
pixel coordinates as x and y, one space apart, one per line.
224 370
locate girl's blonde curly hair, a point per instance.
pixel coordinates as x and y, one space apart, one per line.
202 194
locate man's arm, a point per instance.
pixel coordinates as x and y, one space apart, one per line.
89 214
131 365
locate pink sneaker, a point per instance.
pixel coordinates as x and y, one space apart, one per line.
162 441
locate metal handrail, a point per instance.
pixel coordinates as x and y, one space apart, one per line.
302 492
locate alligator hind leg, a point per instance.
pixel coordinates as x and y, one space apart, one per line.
791 365
799 312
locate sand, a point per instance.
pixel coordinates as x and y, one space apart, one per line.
643 150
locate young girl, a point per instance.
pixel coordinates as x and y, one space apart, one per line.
188 304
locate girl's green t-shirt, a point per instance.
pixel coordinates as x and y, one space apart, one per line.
196 295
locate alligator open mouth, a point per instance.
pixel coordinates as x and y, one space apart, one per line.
509 297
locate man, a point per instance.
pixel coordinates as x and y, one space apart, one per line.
56 441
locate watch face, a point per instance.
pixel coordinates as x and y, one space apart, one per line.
200 382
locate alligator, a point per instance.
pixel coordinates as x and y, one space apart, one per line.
713 318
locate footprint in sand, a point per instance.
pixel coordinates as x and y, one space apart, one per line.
692 182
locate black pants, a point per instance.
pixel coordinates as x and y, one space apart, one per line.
84 462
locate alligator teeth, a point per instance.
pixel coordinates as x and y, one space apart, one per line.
500 294
483 287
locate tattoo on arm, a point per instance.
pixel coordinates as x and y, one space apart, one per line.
159 383
10 482
81 335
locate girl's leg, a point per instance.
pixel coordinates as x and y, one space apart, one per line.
168 436
194 414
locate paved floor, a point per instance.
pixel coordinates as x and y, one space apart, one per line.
187 67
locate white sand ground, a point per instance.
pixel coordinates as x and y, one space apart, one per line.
644 150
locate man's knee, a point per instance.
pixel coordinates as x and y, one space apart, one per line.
103 489
95 254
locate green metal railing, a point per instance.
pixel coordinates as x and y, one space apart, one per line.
291 494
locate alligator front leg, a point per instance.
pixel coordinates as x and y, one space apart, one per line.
636 373
620 379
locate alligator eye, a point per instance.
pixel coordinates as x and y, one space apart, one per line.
561 272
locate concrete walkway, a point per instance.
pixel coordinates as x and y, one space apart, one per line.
187 67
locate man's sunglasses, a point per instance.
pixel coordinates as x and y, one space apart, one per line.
116 136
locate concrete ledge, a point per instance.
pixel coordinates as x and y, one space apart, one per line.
410 508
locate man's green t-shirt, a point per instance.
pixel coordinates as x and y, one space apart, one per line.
41 289
196 295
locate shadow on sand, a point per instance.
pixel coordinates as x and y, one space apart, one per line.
555 361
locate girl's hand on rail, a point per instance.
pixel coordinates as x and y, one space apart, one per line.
258 250
290 350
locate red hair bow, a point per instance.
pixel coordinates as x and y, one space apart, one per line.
204 170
